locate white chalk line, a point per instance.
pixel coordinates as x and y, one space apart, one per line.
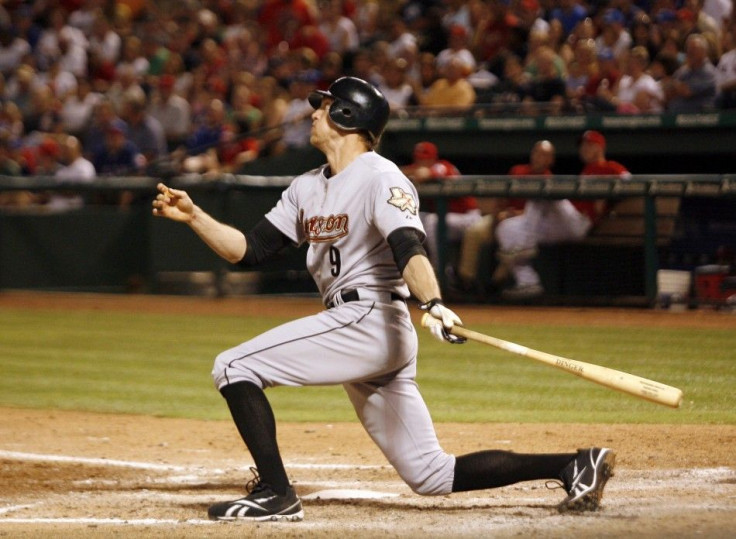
109 521
310 466
38 457
12 508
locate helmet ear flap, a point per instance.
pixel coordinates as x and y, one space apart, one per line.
347 113
343 115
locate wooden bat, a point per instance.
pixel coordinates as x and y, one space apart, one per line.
619 380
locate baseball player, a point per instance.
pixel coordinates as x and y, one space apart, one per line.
359 215
541 158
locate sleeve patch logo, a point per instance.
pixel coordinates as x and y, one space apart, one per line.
402 200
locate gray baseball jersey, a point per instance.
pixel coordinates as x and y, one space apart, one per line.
368 345
346 220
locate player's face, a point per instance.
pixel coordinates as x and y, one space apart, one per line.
589 152
321 128
542 157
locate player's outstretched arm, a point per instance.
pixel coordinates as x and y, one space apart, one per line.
175 204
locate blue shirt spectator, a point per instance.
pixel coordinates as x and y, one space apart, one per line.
569 13
103 116
208 134
117 156
144 130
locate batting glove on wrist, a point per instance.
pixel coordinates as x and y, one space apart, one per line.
437 310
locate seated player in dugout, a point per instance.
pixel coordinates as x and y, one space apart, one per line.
359 215
462 212
481 233
552 221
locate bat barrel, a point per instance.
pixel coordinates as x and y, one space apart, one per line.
611 378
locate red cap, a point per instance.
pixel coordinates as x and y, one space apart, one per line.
594 137
166 81
106 71
425 150
685 14
217 85
49 147
458 30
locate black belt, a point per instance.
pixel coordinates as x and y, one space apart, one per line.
353 295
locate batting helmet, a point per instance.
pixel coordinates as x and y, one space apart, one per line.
357 106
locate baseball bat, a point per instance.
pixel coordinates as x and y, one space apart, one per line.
611 378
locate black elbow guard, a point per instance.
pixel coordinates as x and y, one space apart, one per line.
262 242
405 243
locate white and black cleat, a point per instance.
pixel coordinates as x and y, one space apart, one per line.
584 479
262 504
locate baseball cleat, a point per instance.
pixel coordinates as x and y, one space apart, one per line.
261 504
584 479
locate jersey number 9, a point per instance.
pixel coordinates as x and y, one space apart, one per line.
335 261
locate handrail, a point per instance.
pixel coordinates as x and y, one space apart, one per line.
566 186
515 117
556 186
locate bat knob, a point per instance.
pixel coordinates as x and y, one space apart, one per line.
425 320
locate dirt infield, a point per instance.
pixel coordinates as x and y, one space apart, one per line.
71 474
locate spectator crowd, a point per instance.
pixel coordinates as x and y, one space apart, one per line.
205 86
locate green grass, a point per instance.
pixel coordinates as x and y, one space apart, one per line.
160 365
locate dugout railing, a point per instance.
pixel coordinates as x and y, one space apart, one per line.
107 248
629 243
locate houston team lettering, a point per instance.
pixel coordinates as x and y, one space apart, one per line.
320 229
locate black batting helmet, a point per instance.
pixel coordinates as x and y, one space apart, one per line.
357 106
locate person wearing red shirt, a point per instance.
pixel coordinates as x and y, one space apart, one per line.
592 151
493 32
552 221
462 212
279 17
310 36
541 159
600 85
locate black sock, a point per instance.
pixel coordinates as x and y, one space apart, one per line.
491 469
255 421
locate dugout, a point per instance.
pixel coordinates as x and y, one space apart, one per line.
107 249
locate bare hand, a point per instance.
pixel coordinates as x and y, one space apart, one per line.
173 204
